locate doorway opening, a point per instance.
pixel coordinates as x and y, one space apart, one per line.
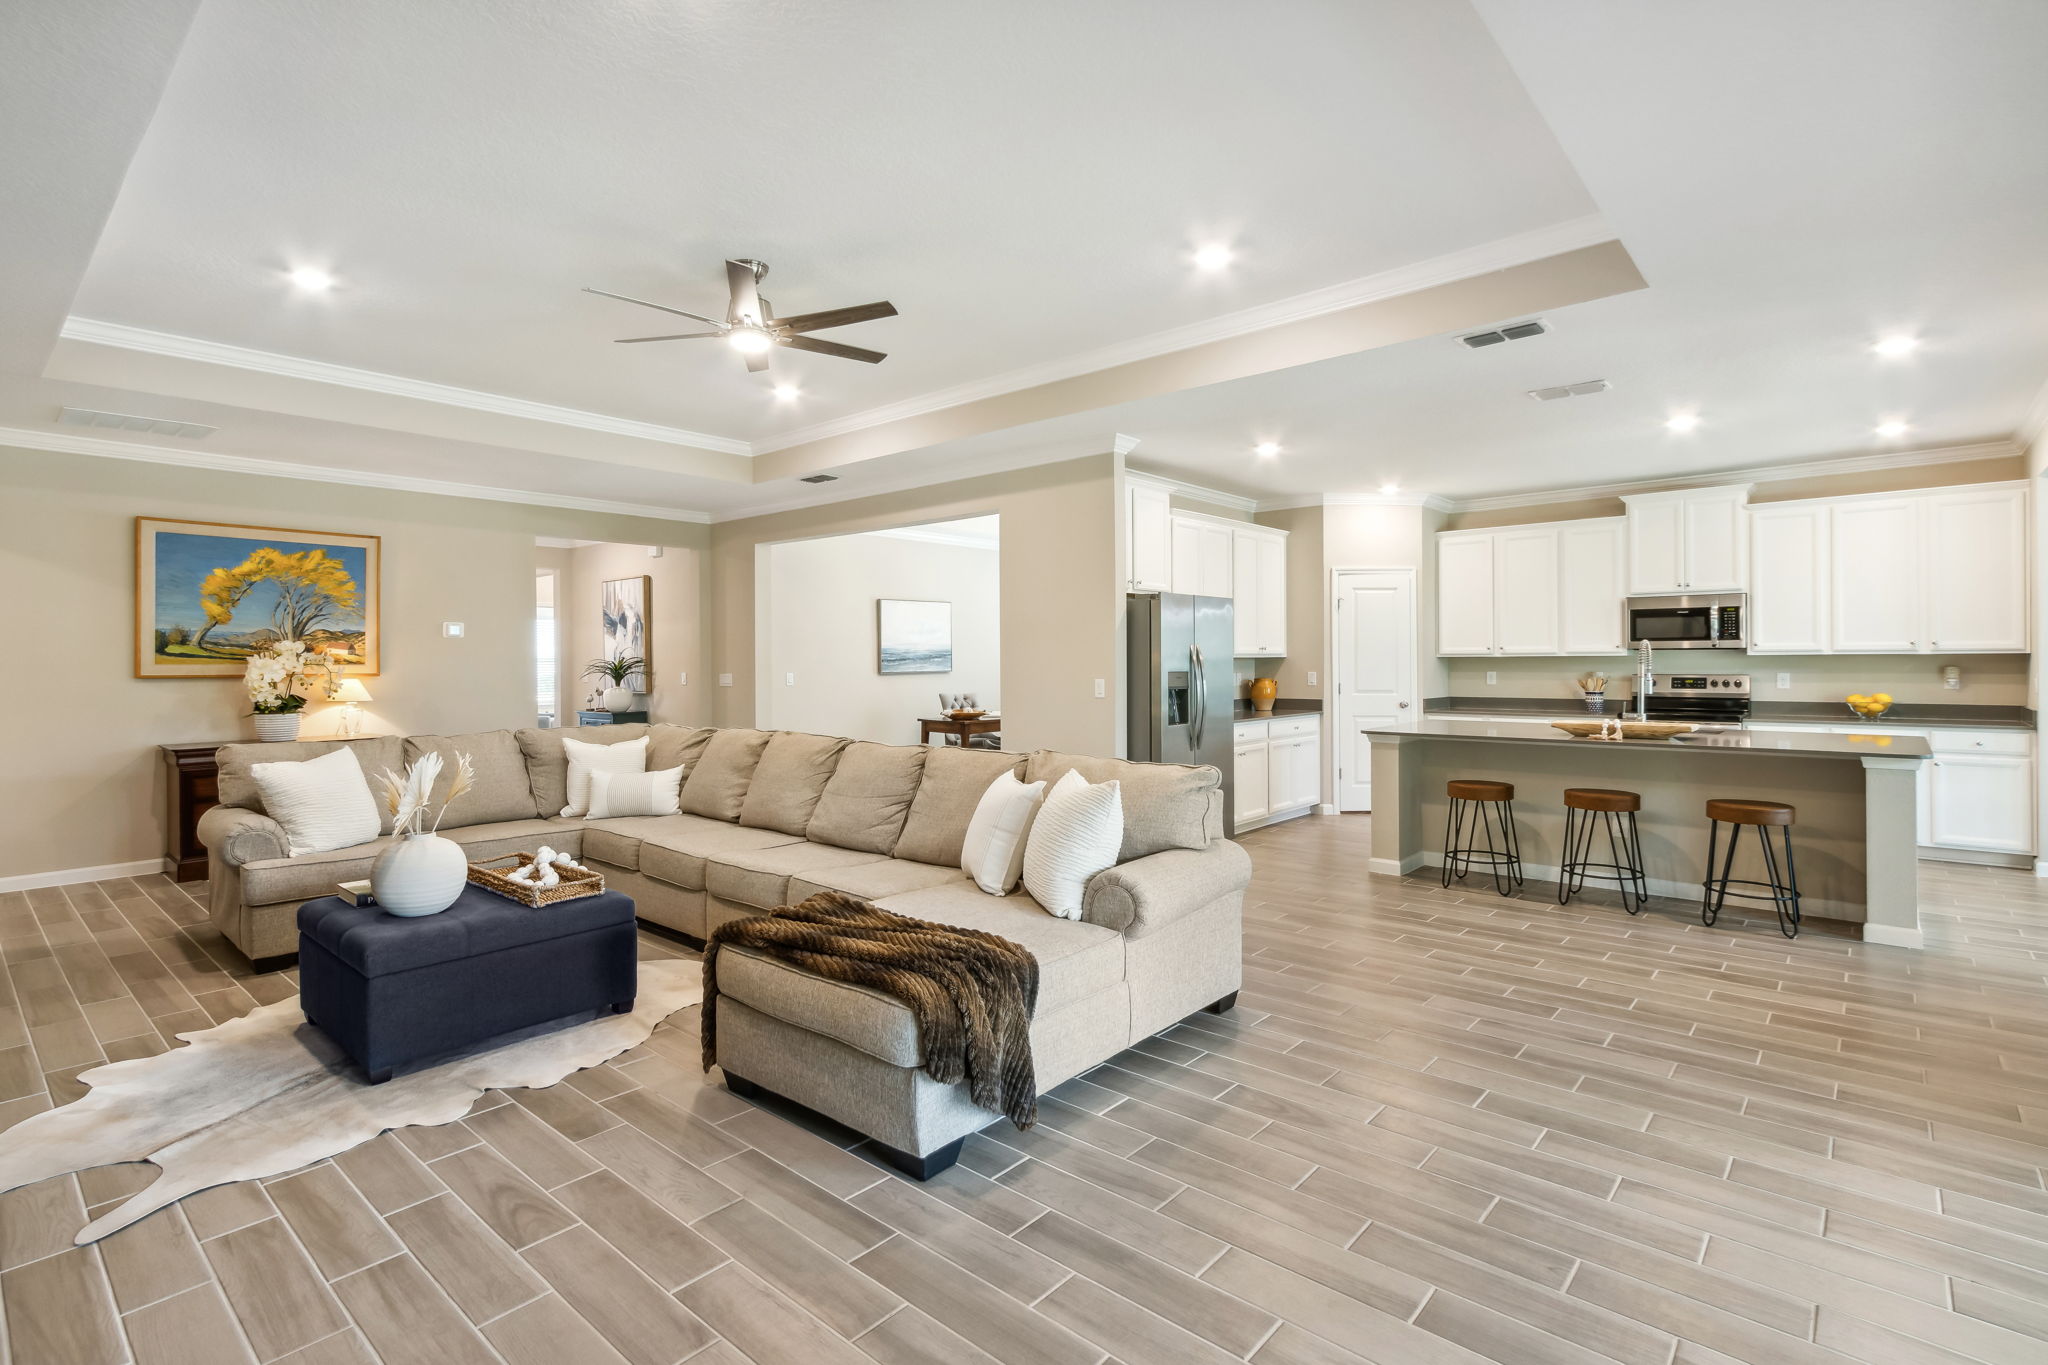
597 601
875 635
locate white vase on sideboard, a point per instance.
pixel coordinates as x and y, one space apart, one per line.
620 699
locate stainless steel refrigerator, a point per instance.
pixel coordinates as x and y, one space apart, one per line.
1183 683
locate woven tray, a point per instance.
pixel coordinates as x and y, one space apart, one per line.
573 886
1630 729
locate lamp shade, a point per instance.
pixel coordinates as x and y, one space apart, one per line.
351 689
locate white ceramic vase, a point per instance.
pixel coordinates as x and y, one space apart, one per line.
619 699
281 725
421 874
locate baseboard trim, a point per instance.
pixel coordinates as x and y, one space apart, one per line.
71 876
1894 936
1389 867
1276 818
1813 907
1325 808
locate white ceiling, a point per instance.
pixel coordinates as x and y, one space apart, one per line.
1791 180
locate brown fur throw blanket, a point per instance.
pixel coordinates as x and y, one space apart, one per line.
971 993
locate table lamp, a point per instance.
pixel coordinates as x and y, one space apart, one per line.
351 692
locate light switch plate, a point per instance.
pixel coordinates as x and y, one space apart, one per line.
1101 687
1491 677
451 629
725 680
789 680
683 679
1311 680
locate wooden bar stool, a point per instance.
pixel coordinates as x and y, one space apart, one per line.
1587 810
1485 805
1781 886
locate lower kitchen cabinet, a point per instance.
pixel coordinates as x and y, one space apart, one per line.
1277 769
1976 794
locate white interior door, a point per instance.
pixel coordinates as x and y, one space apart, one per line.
1375 671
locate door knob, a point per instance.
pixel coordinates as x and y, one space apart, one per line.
1404 706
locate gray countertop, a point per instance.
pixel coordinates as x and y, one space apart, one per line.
1926 716
1282 706
1815 744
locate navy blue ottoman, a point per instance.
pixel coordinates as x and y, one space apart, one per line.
402 994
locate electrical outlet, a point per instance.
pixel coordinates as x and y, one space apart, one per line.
451 630
789 680
1784 680
725 680
1491 677
1101 687
1311 680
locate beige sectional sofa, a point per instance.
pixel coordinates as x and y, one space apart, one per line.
769 818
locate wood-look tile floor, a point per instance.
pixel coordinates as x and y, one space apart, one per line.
1441 1127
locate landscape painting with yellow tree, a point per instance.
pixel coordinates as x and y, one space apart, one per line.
208 595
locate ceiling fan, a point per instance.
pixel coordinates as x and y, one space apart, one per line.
751 328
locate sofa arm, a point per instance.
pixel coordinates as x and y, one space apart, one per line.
1140 896
242 836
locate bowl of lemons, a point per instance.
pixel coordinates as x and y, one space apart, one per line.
1870 706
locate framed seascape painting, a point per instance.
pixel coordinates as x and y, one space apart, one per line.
624 602
208 594
916 637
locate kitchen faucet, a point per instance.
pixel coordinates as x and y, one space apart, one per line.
1646 679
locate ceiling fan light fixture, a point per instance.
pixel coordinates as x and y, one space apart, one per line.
749 340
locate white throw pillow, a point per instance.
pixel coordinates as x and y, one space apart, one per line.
655 793
586 758
994 851
322 802
1077 834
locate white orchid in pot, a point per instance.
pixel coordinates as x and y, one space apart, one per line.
422 873
273 678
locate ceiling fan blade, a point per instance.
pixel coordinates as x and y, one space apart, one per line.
823 347
679 312
746 297
679 336
757 362
834 317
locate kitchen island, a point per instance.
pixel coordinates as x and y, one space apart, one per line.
1854 840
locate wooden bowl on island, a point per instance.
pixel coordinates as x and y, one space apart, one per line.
1630 729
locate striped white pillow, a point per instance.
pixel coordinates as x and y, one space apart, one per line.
615 794
322 802
1076 835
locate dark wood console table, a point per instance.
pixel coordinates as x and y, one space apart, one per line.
192 787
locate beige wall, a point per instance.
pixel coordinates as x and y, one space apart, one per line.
1988 679
1061 607
675 610
820 603
1992 470
1306 586
85 786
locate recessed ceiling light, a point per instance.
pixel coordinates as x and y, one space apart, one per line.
1387 490
1892 347
749 340
1682 422
787 393
1893 429
1214 256
1267 449
312 279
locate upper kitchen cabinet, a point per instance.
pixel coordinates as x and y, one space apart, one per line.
1525 591
1976 555
1464 592
1692 540
1592 557
1876 584
1789 559
1148 537
1259 590
1201 555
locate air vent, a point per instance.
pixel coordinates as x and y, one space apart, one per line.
1517 331
819 478
124 421
1552 394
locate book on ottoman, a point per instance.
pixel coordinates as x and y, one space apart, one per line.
402 994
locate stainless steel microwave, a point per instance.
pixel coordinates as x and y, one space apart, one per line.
1695 621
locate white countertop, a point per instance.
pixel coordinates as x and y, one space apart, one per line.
1814 743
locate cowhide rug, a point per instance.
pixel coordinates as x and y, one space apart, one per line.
268 1093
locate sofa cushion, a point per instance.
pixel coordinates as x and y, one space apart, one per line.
872 881
547 765
315 874
716 785
676 852
670 745
502 790
1075 961
238 789
789 779
865 803
761 878
954 779
1166 805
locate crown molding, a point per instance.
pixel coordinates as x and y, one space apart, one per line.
932 535
1124 445
371 381
1430 500
1483 259
1194 490
1851 464
68 444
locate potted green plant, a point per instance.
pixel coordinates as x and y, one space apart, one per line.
617 697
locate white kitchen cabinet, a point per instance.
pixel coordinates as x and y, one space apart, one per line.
1876 583
1982 801
1277 767
1464 593
1148 537
1974 546
1201 556
1789 563
1525 593
1692 540
1252 781
1259 596
1591 566
1294 776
